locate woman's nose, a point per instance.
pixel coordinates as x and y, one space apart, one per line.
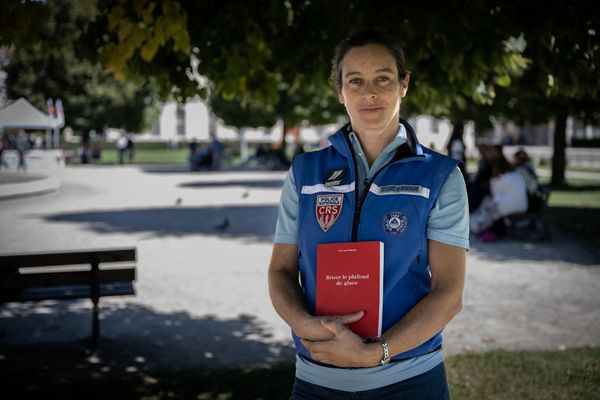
369 90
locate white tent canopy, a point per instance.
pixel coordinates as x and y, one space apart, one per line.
23 115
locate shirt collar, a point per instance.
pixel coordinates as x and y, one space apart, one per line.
398 141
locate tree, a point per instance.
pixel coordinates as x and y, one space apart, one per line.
565 50
251 51
561 42
49 63
21 21
276 55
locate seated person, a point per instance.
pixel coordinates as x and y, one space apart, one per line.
508 194
523 166
536 195
478 185
202 159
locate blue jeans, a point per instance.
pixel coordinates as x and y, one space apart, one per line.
432 385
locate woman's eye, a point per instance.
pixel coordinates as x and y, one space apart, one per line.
355 81
383 79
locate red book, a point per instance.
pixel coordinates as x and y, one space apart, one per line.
349 279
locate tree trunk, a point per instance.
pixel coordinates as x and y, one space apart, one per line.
212 125
283 144
560 142
180 120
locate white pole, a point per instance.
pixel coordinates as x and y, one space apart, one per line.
243 144
48 138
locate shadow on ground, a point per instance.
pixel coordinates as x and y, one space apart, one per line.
264 184
52 336
562 247
584 222
170 169
254 221
257 222
184 168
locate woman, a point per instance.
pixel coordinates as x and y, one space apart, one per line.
524 167
508 195
377 173
455 148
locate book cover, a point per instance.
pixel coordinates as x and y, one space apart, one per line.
349 279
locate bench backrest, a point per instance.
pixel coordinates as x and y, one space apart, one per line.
13 261
38 270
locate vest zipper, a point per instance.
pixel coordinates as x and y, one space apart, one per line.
356 199
359 204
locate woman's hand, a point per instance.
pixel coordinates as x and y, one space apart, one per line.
311 328
345 348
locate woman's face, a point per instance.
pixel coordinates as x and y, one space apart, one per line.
371 90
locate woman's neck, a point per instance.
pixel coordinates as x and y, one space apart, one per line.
373 144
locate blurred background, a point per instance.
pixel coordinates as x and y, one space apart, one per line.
168 127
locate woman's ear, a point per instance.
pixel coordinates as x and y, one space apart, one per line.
404 84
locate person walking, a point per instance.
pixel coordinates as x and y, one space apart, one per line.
22 145
130 148
456 147
386 187
122 143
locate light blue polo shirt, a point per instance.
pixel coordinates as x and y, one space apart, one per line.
448 223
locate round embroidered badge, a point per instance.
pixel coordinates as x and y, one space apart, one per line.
395 223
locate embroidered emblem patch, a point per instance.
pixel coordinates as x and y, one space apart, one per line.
335 177
328 209
395 223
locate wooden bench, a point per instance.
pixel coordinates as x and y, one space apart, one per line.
68 275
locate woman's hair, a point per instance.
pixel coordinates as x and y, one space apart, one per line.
521 157
361 39
500 164
458 130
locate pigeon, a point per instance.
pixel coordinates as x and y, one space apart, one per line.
245 194
178 201
223 226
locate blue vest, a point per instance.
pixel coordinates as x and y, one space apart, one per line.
394 209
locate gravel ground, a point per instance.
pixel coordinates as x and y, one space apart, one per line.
201 290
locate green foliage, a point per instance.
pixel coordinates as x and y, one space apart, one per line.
20 21
53 65
562 46
239 115
277 54
149 27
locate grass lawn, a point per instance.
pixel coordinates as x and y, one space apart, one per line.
576 208
576 168
148 156
569 374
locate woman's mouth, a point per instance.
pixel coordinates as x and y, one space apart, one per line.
371 109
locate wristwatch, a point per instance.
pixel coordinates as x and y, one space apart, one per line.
386 351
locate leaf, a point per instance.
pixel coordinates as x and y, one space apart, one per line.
503 80
148 51
125 29
460 102
114 17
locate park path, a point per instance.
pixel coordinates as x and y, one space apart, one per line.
201 290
